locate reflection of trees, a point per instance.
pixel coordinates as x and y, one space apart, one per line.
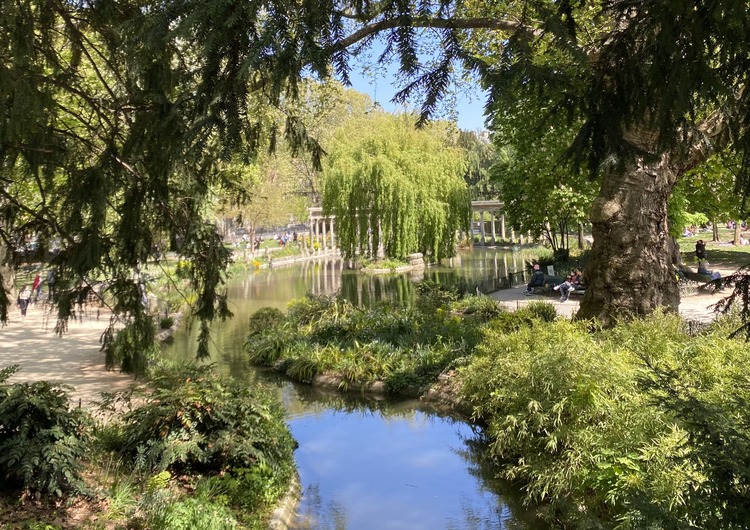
366 290
317 516
510 511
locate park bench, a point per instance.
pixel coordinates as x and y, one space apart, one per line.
549 284
702 281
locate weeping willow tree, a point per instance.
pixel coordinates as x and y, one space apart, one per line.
396 188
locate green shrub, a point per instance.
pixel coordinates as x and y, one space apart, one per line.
264 319
543 311
267 347
166 323
483 307
41 437
640 426
191 420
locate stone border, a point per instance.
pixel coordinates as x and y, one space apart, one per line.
285 513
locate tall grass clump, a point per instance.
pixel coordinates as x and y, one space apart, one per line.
641 426
406 347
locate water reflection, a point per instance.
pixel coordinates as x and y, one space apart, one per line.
368 463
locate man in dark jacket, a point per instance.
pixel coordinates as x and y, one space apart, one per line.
537 280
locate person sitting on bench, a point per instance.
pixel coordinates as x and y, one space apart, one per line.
566 288
537 280
703 268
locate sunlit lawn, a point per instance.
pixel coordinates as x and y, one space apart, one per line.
722 253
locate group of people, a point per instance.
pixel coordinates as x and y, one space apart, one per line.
286 238
573 282
29 295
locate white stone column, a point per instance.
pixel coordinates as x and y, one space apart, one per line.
325 234
502 226
494 235
481 225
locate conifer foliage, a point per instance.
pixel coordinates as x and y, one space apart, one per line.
113 112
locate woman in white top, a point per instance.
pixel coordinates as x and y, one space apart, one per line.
24 297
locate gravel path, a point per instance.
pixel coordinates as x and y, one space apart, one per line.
696 307
73 359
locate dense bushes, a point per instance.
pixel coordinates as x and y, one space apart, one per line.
41 437
406 347
187 450
190 419
189 427
643 426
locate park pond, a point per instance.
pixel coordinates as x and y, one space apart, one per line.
368 462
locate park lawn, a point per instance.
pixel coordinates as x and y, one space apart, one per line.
720 253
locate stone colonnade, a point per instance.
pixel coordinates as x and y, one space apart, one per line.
322 229
492 208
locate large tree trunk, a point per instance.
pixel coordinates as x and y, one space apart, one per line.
8 275
630 271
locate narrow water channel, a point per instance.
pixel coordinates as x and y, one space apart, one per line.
368 463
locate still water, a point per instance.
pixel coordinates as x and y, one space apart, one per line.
368 463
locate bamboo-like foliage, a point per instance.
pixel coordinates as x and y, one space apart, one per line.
393 186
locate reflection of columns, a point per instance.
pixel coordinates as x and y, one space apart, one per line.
325 277
333 241
481 222
492 220
325 239
502 226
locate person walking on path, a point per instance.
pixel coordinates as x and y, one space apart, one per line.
36 287
50 281
24 297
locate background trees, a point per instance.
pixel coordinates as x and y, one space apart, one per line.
392 185
540 192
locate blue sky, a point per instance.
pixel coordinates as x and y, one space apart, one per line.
382 85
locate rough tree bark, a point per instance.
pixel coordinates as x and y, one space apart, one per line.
630 271
7 273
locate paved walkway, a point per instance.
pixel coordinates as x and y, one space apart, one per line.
696 307
73 359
